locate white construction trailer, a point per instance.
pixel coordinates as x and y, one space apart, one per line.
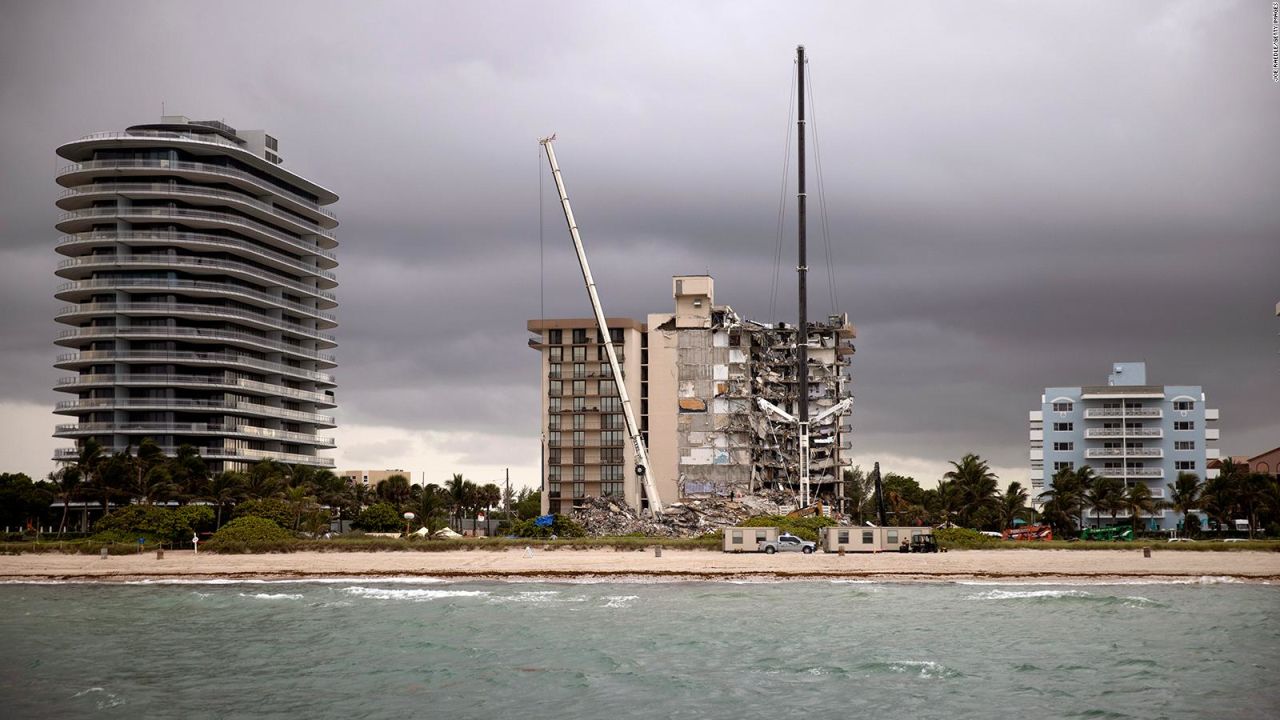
868 539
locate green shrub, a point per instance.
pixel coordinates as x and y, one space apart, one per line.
562 526
805 528
249 531
277 511
156 524
380 517
964 538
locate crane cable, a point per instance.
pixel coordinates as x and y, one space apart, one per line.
822 198
782 200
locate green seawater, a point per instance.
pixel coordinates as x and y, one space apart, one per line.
814 649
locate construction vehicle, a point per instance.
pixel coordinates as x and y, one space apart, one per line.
1041 533
817 509
615 371
1116 533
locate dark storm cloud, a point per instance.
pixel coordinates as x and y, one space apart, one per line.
1018 196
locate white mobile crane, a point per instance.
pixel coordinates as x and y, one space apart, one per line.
641 452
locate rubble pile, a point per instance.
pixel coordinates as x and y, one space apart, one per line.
602 516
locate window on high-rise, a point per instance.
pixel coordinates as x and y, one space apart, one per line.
1064 446
1063 426
579 336
1184 425
555 337
1062 406
579 354
1184 445
1184 465
1184 405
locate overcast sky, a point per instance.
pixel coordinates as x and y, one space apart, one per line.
1017 194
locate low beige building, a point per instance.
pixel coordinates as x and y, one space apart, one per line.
371 478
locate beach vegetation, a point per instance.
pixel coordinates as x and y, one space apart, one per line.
156 524
805 528
562 527
278 511
379 517
246 532
959 538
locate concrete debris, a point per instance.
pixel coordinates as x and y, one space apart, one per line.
690 518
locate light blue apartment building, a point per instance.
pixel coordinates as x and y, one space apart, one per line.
1126 429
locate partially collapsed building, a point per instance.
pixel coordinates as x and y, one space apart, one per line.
695 376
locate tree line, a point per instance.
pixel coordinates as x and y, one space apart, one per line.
298 497
969 496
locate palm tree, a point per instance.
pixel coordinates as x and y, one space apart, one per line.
977 486
263 480
1252 489
67 481
1184 496
394 490
489 495
1137 500
1063 502
300 499
1013 504
1104 496
1219 498
457 488
88 463
188 471
222 489
149 477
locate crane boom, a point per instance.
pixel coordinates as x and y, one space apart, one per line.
642 453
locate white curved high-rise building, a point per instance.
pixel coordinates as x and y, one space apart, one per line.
199 288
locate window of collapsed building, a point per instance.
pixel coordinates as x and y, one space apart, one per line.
579 473
611 489
579 490
553 489
579 336
555 354
555 337
579 354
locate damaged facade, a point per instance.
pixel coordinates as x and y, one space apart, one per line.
701 370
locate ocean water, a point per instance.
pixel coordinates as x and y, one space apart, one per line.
418 648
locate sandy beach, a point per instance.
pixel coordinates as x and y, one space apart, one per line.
674 565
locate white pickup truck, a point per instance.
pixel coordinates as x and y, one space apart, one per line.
787 543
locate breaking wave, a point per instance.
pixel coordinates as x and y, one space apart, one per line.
411 594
